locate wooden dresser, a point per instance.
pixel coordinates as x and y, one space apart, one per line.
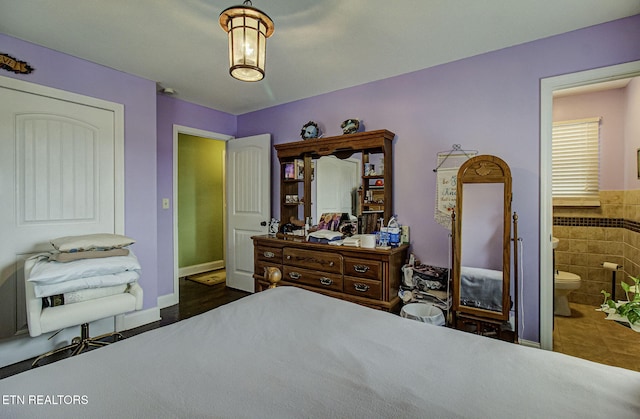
370 277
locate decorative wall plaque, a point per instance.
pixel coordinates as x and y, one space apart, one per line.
9 63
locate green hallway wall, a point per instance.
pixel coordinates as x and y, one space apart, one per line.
200 200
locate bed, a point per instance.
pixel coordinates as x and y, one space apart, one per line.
290 353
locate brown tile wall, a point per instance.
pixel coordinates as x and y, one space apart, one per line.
590 236
632 232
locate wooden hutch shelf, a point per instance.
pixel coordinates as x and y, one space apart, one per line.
296 171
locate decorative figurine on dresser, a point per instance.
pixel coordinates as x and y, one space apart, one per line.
365 275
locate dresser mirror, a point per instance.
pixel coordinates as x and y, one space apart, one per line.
335 185
482 239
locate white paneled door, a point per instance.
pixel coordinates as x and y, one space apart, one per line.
57 178
248 204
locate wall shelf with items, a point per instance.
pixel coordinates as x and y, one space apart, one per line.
375 190
373 200
295 189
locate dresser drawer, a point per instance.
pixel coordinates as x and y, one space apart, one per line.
363 287
362 268
322 261
269 254
317 279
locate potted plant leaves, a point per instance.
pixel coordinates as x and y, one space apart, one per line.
624 311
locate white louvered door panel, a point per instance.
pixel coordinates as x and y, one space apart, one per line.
57 170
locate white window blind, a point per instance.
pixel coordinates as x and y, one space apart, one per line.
576 162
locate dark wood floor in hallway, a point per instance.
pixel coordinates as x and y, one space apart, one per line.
195 298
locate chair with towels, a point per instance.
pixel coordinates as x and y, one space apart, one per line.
84 279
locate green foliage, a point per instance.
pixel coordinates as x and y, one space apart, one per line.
631 308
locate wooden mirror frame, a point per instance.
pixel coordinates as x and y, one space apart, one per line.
480 170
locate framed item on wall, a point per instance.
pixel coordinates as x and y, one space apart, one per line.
638 162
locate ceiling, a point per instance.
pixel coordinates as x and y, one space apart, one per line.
318 46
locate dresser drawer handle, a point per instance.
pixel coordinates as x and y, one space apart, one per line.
288 257
326 281
294 275
361 268
361 287
331 263
269 254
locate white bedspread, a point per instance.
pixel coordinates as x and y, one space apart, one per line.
290 353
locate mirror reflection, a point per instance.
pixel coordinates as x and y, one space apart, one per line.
481 234
335 185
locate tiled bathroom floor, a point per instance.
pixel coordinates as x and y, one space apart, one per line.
586 334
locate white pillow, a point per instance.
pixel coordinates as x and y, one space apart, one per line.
91 242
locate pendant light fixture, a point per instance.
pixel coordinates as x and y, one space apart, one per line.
248 30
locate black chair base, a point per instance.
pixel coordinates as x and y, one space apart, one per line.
81 343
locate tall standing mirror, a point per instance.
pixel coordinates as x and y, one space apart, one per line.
481 268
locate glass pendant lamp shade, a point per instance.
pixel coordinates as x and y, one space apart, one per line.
248 29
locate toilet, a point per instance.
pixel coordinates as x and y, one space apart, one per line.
565 282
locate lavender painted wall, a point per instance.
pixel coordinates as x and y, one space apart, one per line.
174 111
138 95
611 106
490 103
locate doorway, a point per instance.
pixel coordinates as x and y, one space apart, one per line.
199 239
200 204
548 86
247 206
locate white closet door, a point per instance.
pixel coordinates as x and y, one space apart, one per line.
57 178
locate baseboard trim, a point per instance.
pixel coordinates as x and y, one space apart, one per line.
203 267
137 319
530 343
168 300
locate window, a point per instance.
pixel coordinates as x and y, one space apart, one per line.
576 162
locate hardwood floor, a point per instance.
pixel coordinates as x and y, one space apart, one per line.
195 298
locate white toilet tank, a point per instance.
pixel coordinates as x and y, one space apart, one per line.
567 280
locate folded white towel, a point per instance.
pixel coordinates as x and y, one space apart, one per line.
350 241
45 271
